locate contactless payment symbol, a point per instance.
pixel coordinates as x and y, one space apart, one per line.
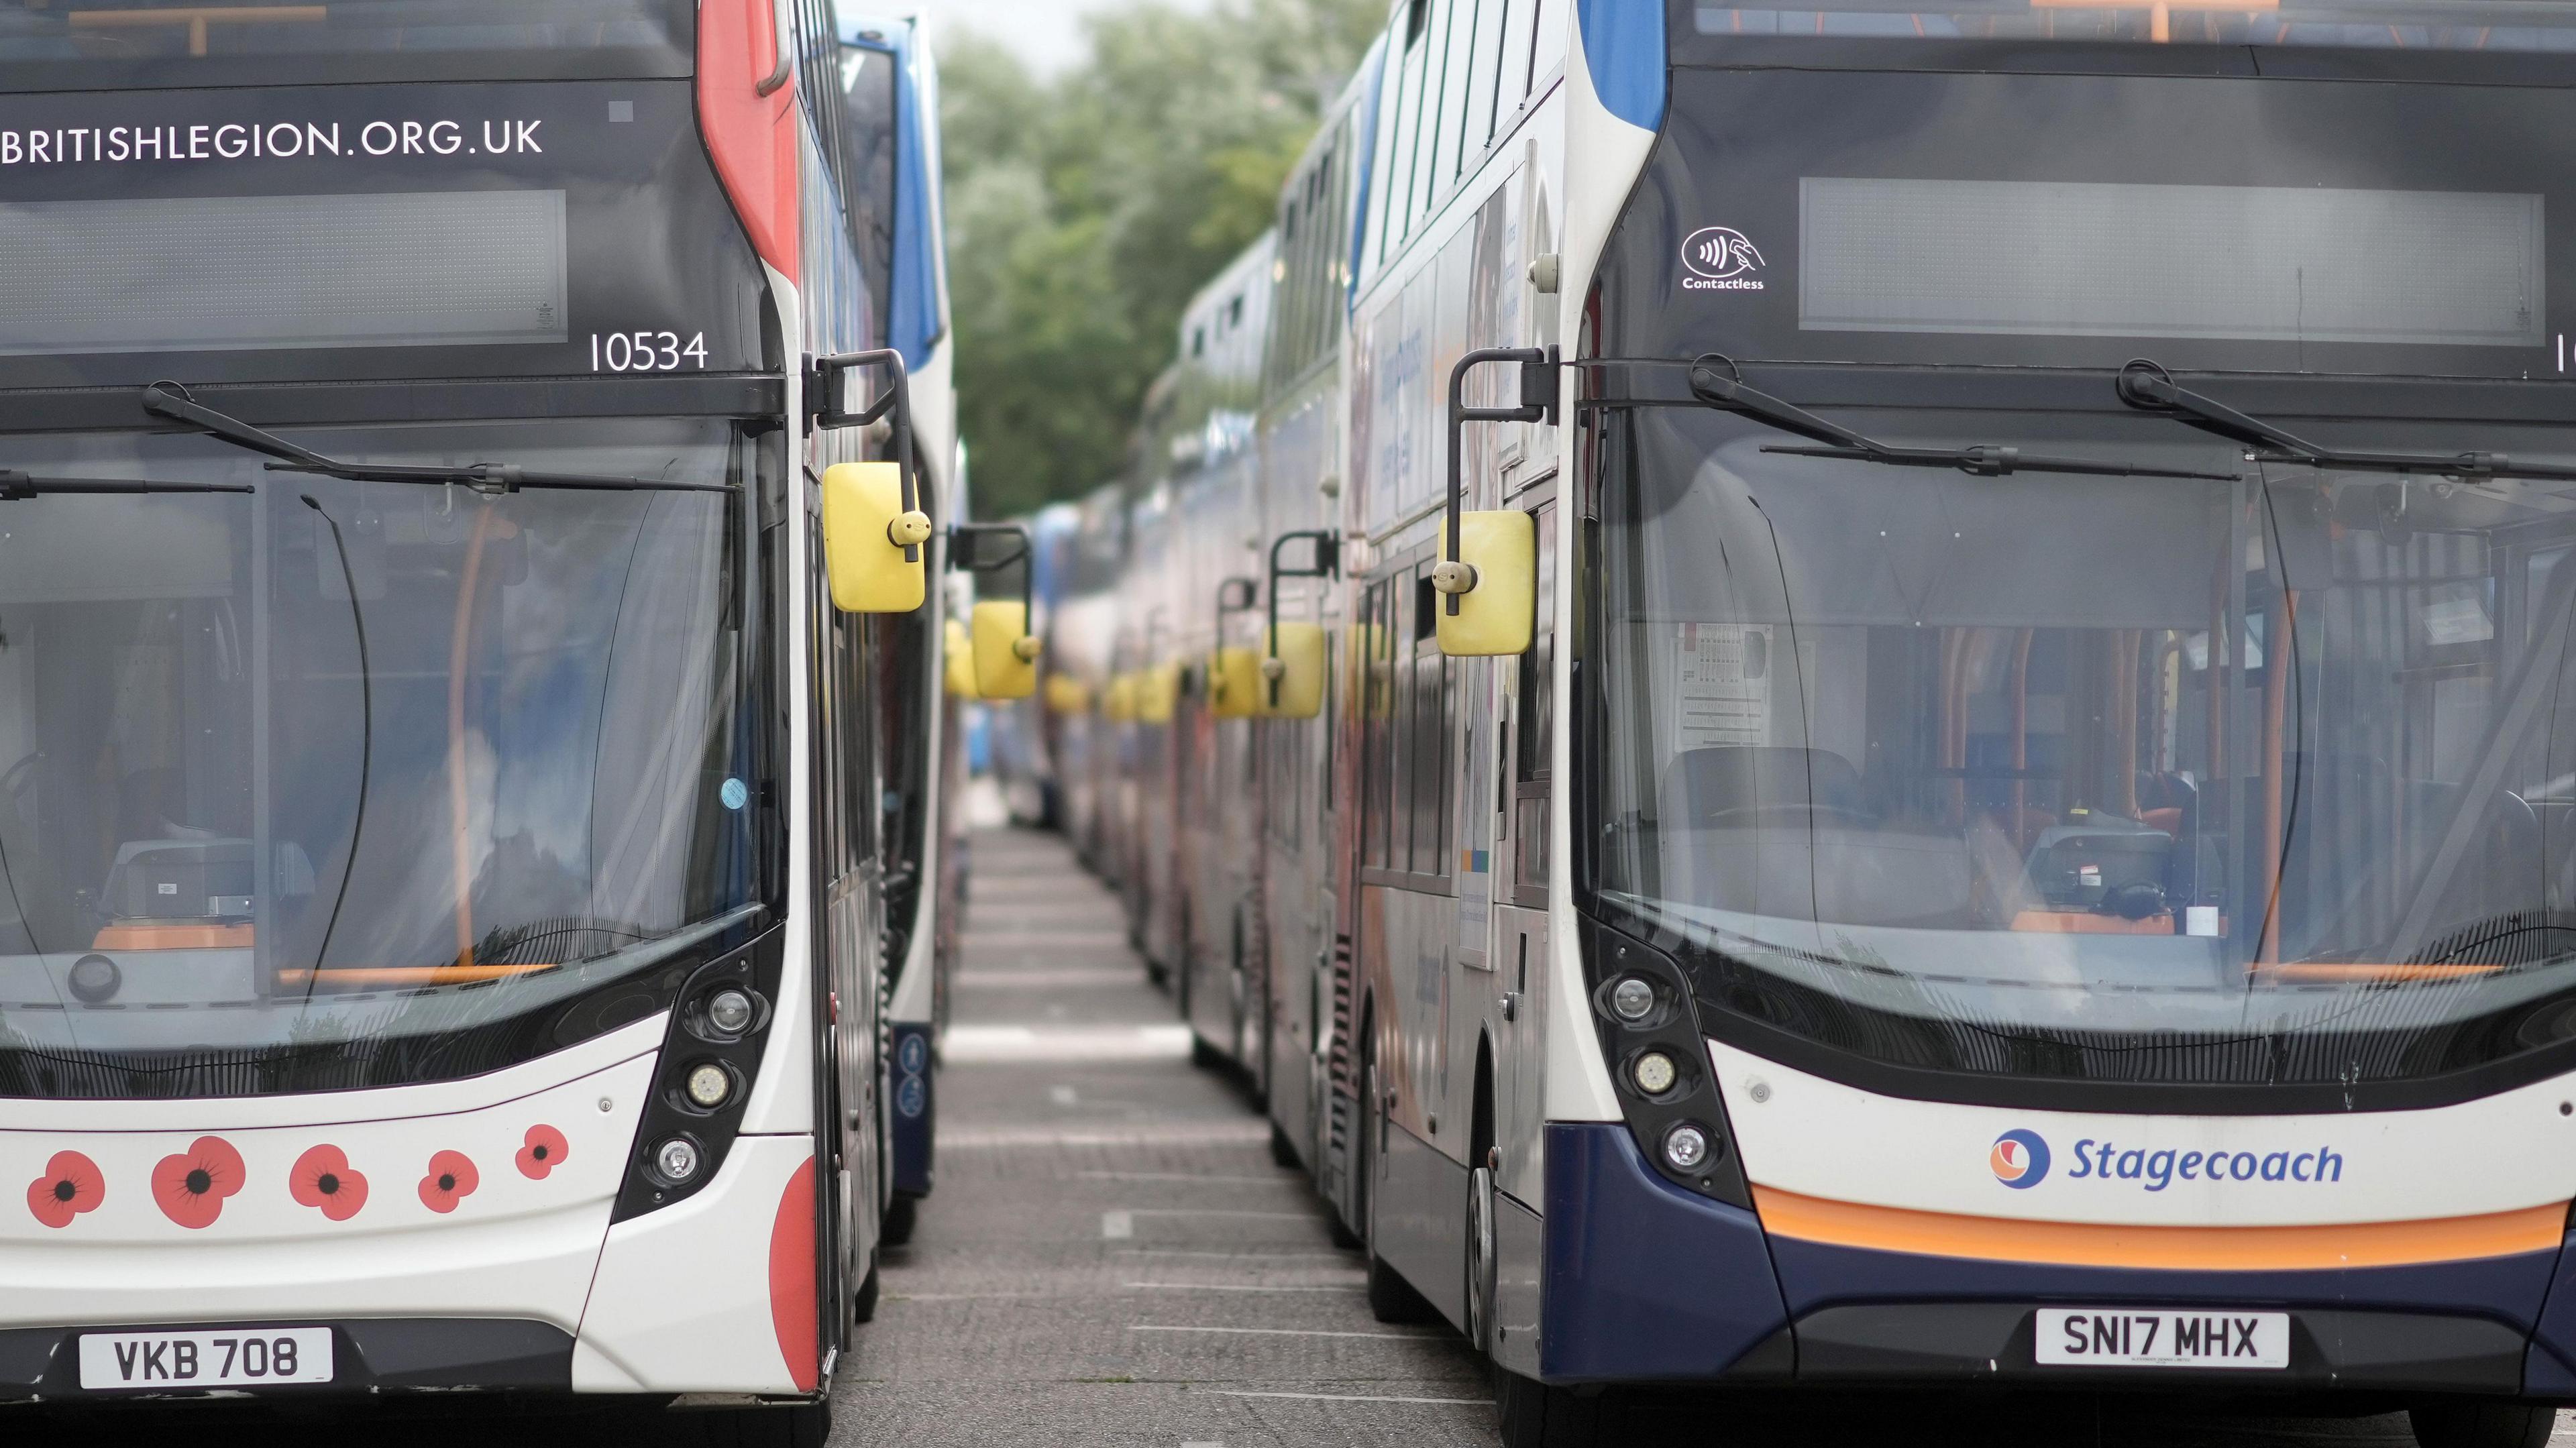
2020 1159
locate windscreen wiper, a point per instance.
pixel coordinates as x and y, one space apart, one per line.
15 485
1726 389
2148 387
168 399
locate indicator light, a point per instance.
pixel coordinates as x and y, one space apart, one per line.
1654 1073
709 1085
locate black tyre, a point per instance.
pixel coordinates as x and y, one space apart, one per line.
863 1303
1204 1053
1535 1415
1283 1152
1480 1259
902 1215
2481 1423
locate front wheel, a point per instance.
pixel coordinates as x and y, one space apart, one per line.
1480 1259
2481 1423
1534 1415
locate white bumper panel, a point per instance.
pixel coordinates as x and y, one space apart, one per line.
2509 1152
497 1211
682 1304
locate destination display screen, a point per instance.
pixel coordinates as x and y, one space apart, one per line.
171 274
2103 259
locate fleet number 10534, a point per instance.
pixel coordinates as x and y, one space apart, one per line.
646 351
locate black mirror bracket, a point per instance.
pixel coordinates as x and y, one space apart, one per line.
823 382
1023 555
1327 564
1539 366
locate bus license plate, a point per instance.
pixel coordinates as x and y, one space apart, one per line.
2129 1338
116 1361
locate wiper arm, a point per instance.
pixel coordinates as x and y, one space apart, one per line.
2148 387
15 485
168 399
1727 389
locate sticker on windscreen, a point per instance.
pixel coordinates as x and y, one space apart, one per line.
1720 259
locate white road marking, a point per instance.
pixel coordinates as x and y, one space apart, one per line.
1228 1256
1117 1226
1059 977
1062 1096
1284 1179
1238 1287
1011 1044
1291 1332
1355 1398
1214 1212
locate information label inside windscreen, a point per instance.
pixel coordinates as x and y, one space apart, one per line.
336 233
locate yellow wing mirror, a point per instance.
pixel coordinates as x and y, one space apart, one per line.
1487 578
1292 662
1234 674
957 661
1065 694
1158 690
1006 645
873 523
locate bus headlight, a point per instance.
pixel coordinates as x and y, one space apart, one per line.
709 1085
676 1159
730 1011
1654 1073
1686 1147
1632 998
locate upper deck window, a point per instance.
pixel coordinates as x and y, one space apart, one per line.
136 44
2389 24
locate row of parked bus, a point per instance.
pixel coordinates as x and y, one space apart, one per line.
475 844
1845 696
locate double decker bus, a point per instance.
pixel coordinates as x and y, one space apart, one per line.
449 858
1945 701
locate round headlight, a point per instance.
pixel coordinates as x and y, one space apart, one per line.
1654 1073
709 1085
1686 1147
95 977
676 1159
730 1011
1632 999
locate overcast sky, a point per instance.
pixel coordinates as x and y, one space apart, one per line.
1048 33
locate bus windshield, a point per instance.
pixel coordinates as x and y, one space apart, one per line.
2375 24
236 42
2155 779
328 774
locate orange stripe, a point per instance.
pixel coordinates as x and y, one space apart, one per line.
360 976
148 936
2210 1249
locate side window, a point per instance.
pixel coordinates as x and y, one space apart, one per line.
1480 83
1439 106
1407 122
1374 658
1512 85
1426 716
1379 239
1548 46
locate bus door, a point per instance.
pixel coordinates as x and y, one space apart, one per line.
1521 836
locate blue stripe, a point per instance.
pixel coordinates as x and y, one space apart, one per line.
1623 46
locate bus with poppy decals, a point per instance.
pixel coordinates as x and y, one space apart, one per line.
449 831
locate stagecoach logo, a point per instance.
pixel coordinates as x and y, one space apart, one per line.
1721 259
2020 1159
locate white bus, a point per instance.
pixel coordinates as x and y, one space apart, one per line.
1983 798
448 848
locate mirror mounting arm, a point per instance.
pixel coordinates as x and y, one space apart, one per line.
1023 555
823 381
1327 564
1538 367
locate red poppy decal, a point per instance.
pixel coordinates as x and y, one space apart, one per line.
322 1177
451 1180
191 1186
546 1150
70 1186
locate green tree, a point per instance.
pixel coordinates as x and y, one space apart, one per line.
1085 210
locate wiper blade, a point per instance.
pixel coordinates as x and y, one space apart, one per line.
168 399
15 485
1727 389
2148 387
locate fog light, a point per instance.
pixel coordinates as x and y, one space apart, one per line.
709 1085
676 1159
1632 999
729 1011
1686 1147
94 978
1654 1073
